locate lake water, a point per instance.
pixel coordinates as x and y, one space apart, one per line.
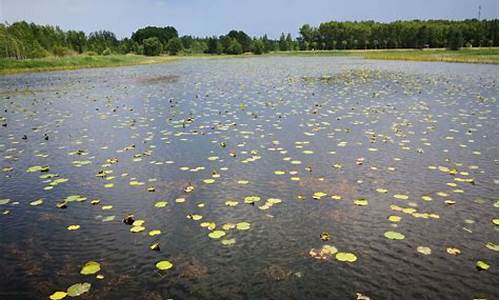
344 143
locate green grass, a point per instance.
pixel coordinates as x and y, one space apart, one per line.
10 66
475 55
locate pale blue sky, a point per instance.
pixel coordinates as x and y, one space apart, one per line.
215 17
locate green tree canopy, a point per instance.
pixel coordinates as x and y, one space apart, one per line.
234 47
174 46
164 34
455 39
152 46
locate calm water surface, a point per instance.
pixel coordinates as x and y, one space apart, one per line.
295 129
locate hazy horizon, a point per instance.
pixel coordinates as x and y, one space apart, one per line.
217 17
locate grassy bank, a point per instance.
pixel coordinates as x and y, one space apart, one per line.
473 55
11 66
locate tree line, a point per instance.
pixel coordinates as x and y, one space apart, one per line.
22 40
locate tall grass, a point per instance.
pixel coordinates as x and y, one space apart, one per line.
8 66
474 55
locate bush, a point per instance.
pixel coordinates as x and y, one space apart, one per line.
106 52
152 46
140 50
91 53
174 46
60 51
39 53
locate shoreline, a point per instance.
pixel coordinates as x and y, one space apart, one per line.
52 64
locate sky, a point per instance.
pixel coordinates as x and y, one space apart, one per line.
216 17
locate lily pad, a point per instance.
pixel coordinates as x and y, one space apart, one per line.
73 227
217 234
346 256
424 250
90 267
393 235
243 226
154 232
228 242
136 229
361 202
394 218
491 246
78 289
482 265
36 202
164 265
251 199
58 295
161 204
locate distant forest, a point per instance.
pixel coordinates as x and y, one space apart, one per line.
22 40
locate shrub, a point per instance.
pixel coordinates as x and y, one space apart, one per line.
106 52
60 51
152 46
39 53
91 53
174 46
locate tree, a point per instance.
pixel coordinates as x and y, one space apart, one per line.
242 38
283 45
269 45
258 46
152 46
164 34
344 44
421 37
307 36
174 45
198 47
455 39
100 40
214 46
76 40
234 47
289 42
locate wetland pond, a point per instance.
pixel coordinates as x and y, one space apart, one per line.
251 178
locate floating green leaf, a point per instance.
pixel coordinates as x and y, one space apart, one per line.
78 289
216 234
154 232
243 226
58 295
393 235
90 267
492 246
136 229
161 204
164 265
482 265
424 250
361 202
345 256
228 242
73 227
36 202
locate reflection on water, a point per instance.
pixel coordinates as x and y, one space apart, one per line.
417 141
